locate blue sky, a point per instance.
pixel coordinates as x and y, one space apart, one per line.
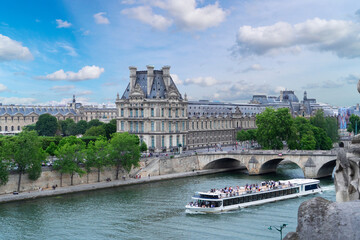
225 50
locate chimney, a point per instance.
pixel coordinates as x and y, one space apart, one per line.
132 77
166 76
150 78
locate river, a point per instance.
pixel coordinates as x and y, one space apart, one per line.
153 211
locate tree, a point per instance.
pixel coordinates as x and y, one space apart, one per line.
242 136
51 149
94 123
274 127
331 128
252 134
30 127
354 122
97 155
307 141
143 147
26 153
81 127
46 125
124 151
70 156
68 127
318 120
95 131
110 128
4 171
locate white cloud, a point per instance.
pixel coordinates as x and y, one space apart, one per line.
202 81
70 50
64 88
145 14
337 36
85 92
3 88
130 2
13 50
86 73
254 67
100 19
176 79
186 15
243 90
62 24
17 100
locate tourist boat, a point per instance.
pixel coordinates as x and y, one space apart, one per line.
227 199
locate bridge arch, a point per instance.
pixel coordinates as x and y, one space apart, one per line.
226 162
272 164
326 169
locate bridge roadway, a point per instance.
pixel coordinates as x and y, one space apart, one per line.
315 164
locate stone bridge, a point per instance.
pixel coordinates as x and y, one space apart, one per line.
315 164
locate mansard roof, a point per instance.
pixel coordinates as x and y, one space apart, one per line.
38 110
158 88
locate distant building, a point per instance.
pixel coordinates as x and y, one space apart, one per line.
13 118
153 108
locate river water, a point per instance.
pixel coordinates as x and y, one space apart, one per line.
153 211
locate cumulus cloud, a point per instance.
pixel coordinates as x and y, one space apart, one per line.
145 15
337 36
13 50
3 88
17 100
86 73
202 81
254 67
243 90
62 24
100 18
176 79
64 88
185 14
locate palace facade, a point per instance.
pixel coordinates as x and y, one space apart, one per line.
153 108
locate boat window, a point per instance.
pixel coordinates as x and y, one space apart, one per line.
273 194
236 200
310 187
246 199
254 198
278 193
241 200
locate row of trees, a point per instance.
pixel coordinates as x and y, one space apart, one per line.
276 127
353 125
25 154
48 125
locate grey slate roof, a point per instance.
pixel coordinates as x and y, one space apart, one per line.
13 110
158 86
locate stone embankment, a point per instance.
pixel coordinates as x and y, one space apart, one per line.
101 185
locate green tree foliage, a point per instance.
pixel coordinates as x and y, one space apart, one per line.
274 127
26 154
95 131
354 122
252 134
70 155
46 125
68 127
81 127
143 147
124 151
242 136
30 127
328 124
4 168
51 149
110 128
94 123
307 141
96 155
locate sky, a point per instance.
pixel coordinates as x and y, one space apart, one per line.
225 50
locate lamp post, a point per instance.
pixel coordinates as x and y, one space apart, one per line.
280 228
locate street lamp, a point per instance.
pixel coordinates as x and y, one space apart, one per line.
280 228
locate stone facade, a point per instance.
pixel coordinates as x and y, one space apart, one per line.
14 118
153 108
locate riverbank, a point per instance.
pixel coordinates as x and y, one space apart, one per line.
101 185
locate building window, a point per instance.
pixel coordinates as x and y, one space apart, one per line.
152 112
163 126
183 112
183 140
177 126
169 126
6 128
136 112
202 125
192 125
32 119
131 113
162 141
162 112
176 112
141 139
183 126
170 141
137 126
131 126
177 140
18 128
122 125
122 112
142 126
152 126
169 112
152 142
142 112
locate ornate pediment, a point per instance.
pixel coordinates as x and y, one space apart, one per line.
137 92
173 92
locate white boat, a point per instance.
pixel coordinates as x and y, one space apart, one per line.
219 200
